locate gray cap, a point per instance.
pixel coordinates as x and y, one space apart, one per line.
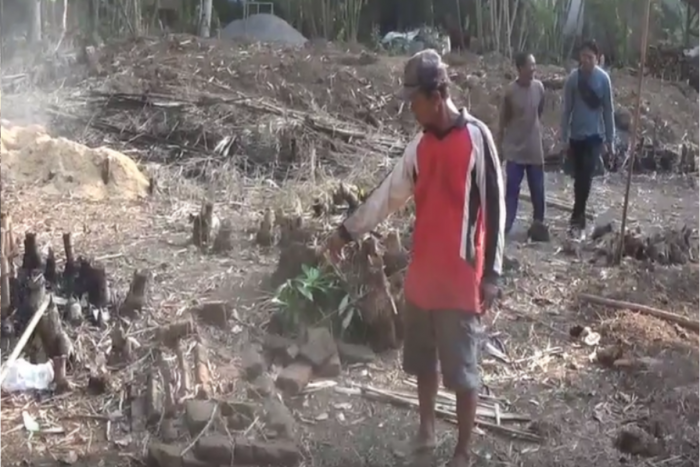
425 71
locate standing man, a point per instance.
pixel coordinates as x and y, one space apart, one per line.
587 128
453 172
520 141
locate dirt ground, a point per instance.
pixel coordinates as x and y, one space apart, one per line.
577 404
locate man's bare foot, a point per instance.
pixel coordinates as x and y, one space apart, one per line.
460 459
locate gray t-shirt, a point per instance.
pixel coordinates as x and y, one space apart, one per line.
520 129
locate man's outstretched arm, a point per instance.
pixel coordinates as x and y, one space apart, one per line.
389 196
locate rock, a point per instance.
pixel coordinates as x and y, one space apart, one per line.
637 442
190 460
319 347
351 353
261 388
239 415
253 363
623 119
279 419
331 369
294 378
215 449
163 455
214 313
197 414
229 408
272 453
281 349
168 431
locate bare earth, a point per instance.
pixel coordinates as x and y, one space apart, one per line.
578 405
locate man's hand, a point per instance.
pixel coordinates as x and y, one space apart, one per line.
334 246
489 294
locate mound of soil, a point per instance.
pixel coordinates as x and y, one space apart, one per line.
31 157
263 27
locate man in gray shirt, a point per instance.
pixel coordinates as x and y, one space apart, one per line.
520 140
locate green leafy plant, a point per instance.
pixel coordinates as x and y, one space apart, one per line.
314 298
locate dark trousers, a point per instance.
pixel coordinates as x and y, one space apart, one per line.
586 162
535 181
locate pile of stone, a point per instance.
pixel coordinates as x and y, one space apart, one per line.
208 421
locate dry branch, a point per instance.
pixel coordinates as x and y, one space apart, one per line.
687 323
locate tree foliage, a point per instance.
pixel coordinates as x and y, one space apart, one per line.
481 25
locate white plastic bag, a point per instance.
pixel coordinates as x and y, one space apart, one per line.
24 376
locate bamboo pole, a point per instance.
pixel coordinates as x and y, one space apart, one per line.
635 131
28 332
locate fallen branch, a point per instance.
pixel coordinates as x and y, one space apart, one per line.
687 323
28 332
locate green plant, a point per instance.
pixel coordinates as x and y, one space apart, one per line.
313 298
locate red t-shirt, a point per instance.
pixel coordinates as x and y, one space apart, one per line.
458 237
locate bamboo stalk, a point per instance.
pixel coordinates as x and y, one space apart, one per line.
28 332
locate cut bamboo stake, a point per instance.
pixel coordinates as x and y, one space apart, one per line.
687 323
389 396
25 337
635 131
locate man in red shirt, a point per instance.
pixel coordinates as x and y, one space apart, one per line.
453 172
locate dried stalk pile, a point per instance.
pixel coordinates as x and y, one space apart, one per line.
265 136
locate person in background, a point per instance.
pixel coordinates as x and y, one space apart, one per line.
587 128
453 172
520 141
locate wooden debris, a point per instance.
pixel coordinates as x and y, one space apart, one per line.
50 273
184 369
203 226
223 242
136 297
121 347
70 269
171 334
294 378
59 377
31 259
165 373
688 323
265 234
201 371
6 243
154 399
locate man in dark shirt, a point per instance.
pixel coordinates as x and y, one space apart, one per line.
453 172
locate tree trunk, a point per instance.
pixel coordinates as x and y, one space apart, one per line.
34 32
205 19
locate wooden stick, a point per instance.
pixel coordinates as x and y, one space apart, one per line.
380 394
25 337
687 323
635 131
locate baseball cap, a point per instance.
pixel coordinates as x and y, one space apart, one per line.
424 71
